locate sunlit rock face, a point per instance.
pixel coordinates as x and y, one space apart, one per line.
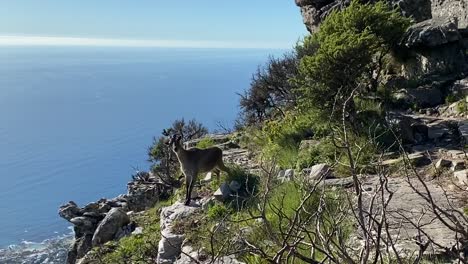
434 46
314 11
451 8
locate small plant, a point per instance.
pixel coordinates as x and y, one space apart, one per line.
451 98
462 106
205 143
249 183
218 211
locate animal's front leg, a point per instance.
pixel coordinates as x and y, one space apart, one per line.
189 191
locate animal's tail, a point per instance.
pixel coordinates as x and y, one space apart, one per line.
223 167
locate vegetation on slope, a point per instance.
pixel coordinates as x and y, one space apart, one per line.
323 91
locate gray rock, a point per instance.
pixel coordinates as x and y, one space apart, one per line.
84 224
457 165
432 33
455 153
175 212
408 204
169 246
223 192
125 231
70 210
143 196
460 88
463 128
207 202
455 9
107 229
419 159
426 96
314 11
138 230
289 175
416 159
208 177
234 186
79 248
319 172
437 131
340 182
443 163
462 176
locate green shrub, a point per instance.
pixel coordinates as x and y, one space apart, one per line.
249 182
217 211
324 152
205 143
462 106
451 98
281 138
350 45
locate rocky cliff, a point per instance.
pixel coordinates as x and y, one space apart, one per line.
451 8
436 44
314 11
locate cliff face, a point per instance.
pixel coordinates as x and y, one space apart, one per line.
314 11
435 45
451 8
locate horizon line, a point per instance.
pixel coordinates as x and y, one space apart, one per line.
15 40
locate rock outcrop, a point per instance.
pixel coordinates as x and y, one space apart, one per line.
436 45
170 245
105 220
451 8
314 11
408 207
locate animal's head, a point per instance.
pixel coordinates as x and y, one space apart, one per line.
174 142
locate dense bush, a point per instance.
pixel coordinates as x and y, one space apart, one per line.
351 47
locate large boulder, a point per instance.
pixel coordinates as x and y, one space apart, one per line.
144 192
170 245
432 33
112 223
79 248
70 210
426 96
320 172
433 47
223 192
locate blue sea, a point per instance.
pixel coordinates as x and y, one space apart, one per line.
75 123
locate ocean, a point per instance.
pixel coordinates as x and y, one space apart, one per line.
76 122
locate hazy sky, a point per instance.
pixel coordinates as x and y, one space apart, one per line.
243 23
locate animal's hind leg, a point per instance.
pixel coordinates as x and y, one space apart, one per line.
187 190
220 165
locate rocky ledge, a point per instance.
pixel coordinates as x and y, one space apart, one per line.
108 219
